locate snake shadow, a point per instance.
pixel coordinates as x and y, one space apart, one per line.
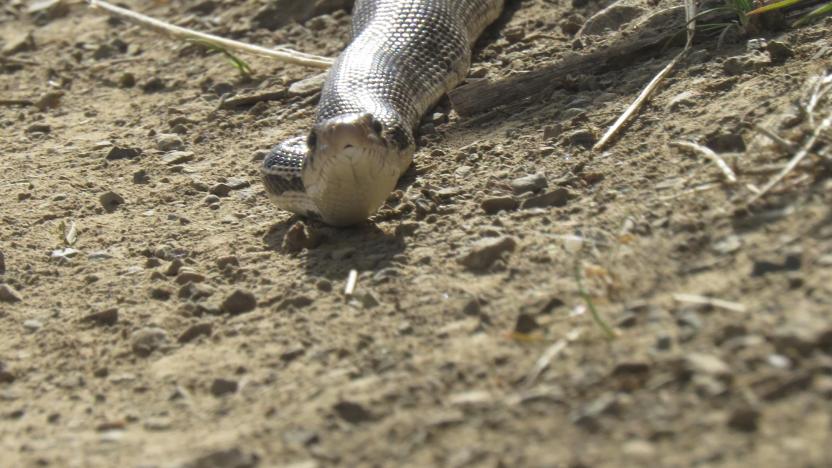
332 252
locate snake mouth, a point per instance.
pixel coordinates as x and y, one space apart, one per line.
350 168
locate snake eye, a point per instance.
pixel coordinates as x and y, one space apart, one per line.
312 140
377 126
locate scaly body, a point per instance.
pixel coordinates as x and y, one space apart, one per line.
405 54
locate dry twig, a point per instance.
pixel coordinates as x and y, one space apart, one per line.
280 53
707 153
690 16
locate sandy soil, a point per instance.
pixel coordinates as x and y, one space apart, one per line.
191 323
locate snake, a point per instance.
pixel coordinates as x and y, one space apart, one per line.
403 57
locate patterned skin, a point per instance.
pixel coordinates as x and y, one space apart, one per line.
404 56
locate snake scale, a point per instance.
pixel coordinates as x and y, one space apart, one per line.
404 55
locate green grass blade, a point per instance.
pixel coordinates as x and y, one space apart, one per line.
596 317
774 6
823 10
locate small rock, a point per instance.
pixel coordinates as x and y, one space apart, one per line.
126 80
239 302
49 100
707 364
177 157
324 285
300 236
221 387
49 9
38 128
486 251
141 177
110 200
557 197
32 325
226 458
727 245
525 324
494 205
153 85
683 99
352 412
744 419
147 340
188 275
6 376
9 294
791 262
220 189
307 86
160 294
119 152
581 137
195 331
19 43
778 51
745 63
529 183
228 260
169 142
107 317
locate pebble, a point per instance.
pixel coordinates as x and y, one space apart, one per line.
211 199
352 412
238 302
744 63
225 458
126 80
791 262
228 260
121 152
588 415
324 285
141 177
494 205
110 200
153 85
220 189
307 86
9 294
779 51
581 137
177 157
195 331
107 317
32 325
707 364
485 252
169 142
173 267
557 197
189 275
683 99
146 340
744 419
221 387
38 128
160 294
18 43
49 100
528 183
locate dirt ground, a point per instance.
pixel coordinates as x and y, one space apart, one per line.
156 310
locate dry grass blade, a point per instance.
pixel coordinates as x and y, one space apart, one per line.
710 301
820 88
690 16
282 54
707 153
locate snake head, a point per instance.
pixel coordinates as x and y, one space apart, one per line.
351 168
